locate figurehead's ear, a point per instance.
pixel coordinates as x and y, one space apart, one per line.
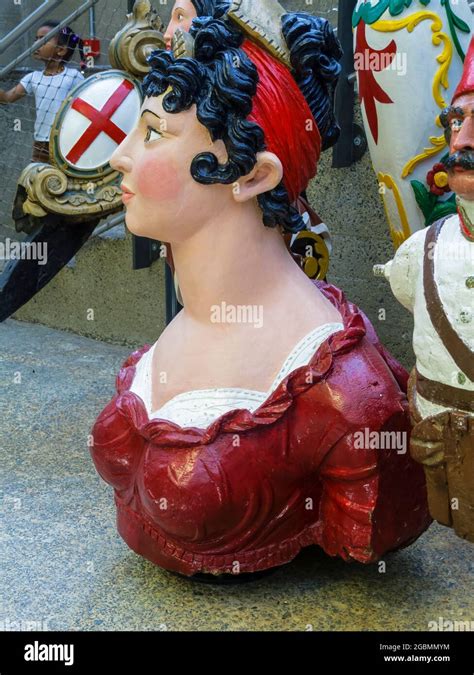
265 176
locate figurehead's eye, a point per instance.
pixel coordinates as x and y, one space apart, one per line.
153 135
180 16
455 124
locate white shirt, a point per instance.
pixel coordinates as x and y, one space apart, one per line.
454 264
50 92
202 407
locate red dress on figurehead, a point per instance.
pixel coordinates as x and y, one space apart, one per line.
195 500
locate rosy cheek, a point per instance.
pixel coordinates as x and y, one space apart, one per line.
159 179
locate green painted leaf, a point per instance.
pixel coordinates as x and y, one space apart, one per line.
452 199
441 210
459 23
371 13
425 200
397 6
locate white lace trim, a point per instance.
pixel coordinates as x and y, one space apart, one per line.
200 407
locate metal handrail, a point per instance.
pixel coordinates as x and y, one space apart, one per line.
21 71
39 43
47 6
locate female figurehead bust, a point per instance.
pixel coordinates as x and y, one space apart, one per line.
267 416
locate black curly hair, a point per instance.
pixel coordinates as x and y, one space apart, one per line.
316 70
66 38
214 8
223 93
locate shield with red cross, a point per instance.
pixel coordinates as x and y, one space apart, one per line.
93 121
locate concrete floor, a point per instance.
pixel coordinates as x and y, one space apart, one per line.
63 565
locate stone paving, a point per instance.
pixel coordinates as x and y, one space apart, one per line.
63 565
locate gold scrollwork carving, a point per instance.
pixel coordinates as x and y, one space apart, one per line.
49 190
132 45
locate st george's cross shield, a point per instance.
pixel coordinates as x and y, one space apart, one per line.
408 57
59 204
93 121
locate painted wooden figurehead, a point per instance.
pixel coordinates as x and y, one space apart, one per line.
458 121
311 247
408 59
433 276
267 416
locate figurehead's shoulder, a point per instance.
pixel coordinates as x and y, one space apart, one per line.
404 270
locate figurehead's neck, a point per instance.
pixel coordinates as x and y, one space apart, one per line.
236 259
466 215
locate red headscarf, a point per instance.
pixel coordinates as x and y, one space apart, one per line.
466 86
281 110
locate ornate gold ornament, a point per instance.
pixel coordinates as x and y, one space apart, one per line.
49 190
261 21
258 20
77 185
141 35
182 45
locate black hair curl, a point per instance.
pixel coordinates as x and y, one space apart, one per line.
315 57
222 81
214 8
223 95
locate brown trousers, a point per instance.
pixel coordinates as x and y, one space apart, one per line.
444 444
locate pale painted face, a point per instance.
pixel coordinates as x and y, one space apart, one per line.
181 17
461 120
163 201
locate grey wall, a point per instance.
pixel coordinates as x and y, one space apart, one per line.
347 200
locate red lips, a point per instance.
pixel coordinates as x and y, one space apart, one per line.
127 194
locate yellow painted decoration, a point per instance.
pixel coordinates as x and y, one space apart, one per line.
398 237
439 143
441 78
311 267
316 263
444 59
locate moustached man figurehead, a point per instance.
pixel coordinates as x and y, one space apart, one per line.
432 275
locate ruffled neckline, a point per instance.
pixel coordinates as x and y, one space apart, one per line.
164 432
